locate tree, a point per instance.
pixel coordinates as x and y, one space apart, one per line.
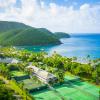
96 73
4 70
6 94
60 76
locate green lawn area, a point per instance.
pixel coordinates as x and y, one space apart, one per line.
17 73
31 84
73 89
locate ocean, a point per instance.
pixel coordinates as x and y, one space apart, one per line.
79 45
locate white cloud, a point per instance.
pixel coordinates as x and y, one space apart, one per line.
54 17
85 7
6 3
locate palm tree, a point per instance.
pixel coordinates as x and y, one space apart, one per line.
4 70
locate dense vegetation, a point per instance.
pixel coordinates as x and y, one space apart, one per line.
18 34
30 36
5 92
7 26
62 35
57 64
9 88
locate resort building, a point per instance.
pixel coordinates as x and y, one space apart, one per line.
43 75
9 60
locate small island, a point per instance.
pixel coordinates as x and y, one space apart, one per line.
62 35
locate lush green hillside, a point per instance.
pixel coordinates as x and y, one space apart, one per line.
6 26
20 35
44 30
62 35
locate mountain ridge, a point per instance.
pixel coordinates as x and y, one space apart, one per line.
19 34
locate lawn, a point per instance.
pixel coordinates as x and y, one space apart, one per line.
73 89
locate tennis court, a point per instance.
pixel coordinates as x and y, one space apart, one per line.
45 95
73 89
31 84
17 73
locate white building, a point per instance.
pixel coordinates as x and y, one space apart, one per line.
9 60
43 75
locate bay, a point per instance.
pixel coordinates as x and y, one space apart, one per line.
79 45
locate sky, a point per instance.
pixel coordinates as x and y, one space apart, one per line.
71 16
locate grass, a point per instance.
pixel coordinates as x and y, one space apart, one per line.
18 90
14 86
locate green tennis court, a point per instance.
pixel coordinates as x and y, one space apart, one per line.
31 84
73 89
17 73
46 95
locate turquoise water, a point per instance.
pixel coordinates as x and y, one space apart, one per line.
78 45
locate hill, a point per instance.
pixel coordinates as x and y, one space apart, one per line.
45 30
6 26
62 35
18 34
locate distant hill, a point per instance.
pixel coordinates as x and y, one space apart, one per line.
18 34
62 35
45 30
6 26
